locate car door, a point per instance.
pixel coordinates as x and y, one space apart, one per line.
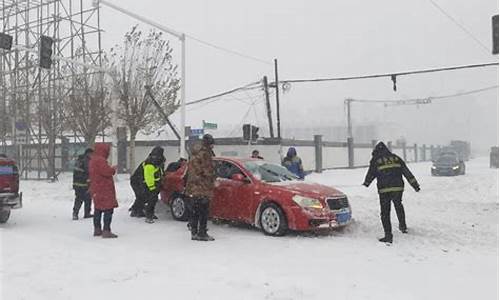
233 198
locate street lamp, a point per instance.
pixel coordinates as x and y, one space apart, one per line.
182 37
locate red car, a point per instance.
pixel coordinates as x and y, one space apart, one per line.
9 188
262 194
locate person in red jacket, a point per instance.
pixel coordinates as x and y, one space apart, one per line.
102 189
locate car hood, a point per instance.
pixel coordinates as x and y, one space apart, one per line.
313 190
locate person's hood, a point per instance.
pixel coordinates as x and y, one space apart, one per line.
156 156
380 149
157 151
291 152
102 150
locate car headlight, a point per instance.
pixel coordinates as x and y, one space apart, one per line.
456 167
433 167
307 202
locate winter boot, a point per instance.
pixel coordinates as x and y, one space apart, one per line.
106 234
155 217
88 216
149 220
205 237
97 231
386 239
403 229
75 217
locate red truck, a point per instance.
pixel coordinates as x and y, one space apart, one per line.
10 198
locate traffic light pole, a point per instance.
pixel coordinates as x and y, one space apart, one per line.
182 38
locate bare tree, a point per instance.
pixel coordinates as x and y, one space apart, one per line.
143 60
87 109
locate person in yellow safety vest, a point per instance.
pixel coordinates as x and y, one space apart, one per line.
146 183
389 170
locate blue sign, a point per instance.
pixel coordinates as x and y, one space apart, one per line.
197 132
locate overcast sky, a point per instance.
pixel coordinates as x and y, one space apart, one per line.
335 38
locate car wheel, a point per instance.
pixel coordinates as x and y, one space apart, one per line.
272 220
4 215
178 208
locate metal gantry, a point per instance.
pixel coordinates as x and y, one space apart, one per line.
32 98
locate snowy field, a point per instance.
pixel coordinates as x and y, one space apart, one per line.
451 251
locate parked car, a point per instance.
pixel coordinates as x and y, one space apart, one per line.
10 197
265 195
448 164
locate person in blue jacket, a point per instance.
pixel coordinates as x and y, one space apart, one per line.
293 163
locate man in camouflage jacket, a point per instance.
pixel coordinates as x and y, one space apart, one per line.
200 186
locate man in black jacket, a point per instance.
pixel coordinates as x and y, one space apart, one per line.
146 183
81 185
389 170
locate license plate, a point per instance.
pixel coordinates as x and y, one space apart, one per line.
343 218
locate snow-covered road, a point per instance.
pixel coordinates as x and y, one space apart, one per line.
451 251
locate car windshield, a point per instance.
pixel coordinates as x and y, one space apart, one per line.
269 172
447 160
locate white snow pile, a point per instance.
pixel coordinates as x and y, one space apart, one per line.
451 251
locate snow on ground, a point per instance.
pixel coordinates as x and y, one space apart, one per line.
451 251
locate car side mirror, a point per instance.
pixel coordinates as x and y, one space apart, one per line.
240 177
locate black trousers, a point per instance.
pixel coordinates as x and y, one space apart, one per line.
82 196
140 195
151 199
106 215
385 210
198 217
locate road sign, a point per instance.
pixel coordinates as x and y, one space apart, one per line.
21 125
207 125
194 132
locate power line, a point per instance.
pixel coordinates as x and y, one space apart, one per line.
464 29
248 86
228 50
391 74
426 100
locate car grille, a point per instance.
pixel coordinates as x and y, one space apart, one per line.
337 203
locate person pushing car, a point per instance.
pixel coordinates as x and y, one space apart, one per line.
200 182
389 170
146 183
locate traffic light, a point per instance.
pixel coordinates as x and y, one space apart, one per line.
246 132
255 134
494 25
5 41
45 52
250 132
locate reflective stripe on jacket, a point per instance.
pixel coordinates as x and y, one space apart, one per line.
389 170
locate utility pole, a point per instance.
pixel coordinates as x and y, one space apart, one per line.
268 107
182 39
348 102
276 81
